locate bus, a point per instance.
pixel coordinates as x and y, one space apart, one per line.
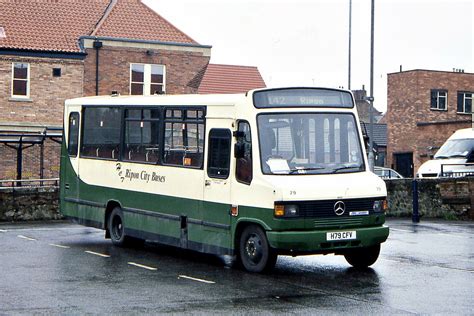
256 175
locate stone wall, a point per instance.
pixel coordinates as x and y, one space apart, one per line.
437 198
27 204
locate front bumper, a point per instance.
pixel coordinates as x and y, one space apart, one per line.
314 241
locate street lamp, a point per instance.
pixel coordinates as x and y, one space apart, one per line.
371 97
350 45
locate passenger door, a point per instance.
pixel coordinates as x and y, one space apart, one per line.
217 186
70 165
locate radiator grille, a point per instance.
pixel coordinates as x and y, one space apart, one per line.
338 222
326 208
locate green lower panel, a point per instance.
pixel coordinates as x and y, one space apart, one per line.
143 223
316 242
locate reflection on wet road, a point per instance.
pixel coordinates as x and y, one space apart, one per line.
65 268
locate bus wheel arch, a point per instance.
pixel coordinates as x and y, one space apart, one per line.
253 250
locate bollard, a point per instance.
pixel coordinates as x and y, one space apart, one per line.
415 218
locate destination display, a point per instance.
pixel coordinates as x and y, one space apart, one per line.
302 97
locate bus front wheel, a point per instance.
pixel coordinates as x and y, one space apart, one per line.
255 253
362 258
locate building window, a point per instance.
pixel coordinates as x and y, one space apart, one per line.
56 72
21 80
147 79
439 100
464 102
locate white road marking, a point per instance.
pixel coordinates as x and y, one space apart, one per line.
57 228
434 233
3 230
401 230
98 254
142 266
60 246
452 235
27 238
195 279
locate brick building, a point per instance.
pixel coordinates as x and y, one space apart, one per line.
424 107
54 50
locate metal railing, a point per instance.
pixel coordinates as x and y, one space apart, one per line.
29 183
457 173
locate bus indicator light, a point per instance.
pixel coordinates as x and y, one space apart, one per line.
279 210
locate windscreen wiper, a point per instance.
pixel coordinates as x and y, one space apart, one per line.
345 167
296 170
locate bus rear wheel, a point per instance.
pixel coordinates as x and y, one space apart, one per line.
362 258
117 230
116 227
255 254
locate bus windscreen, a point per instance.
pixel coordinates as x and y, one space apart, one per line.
302 97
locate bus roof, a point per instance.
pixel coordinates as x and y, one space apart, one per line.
268 98
165 99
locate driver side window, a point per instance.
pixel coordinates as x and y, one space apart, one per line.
243 170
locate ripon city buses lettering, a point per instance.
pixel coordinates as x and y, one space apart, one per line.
143 176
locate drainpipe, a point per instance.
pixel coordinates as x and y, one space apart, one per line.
97 46
19 161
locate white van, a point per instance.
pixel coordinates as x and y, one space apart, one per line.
454 159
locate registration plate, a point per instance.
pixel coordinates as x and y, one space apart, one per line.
341 235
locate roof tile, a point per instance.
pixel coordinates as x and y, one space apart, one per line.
230 79
133 19
48 25
56 25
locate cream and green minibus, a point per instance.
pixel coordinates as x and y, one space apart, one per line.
256 175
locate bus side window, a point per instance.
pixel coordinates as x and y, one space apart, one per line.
184 137
73 136
218 162
101 132
141 141
243 153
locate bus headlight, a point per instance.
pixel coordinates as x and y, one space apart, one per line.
290 210
380 206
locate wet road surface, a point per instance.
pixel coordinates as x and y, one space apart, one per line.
62 268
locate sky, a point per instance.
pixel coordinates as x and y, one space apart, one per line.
305 42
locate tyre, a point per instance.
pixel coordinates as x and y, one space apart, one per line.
255 254
362 258
117 229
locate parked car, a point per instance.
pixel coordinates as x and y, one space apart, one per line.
387 173
454 159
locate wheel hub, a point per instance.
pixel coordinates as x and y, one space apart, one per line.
117 227
253 248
